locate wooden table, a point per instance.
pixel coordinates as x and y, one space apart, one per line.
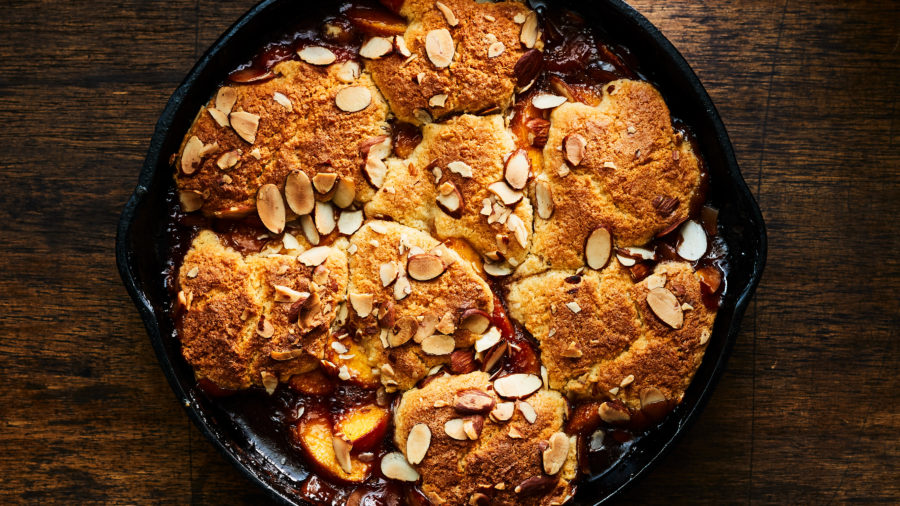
807 411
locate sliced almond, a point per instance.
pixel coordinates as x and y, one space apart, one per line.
388 273
353 98
517 386
190 156
597 248
190 200
283 100
395 466
402 331
324 182
218 116
288 294
497 269
269 381
324 218
342 453
612 413
225 99
309 229
448 14
544 198
473 426
314 256
345 194
446 325
651 395
518 167
229 159
692 241
475 321
473 401
348 72
375 172
496 49
245 124
449 199
316 55
270 207
349 222
506 194
438 100
556 454
503 411
527 411
547 101
529 34
400 44
454 429
666 306
426 327
520 231
438 345
439 47
402 288
515 433
362 303
424 267
376 47
461 168
265 329
574 147
488 340
417 443
298 192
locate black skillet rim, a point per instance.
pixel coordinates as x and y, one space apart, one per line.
634 464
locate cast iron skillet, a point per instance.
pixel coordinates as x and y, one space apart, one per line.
141 243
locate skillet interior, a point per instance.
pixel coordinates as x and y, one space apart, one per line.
141 246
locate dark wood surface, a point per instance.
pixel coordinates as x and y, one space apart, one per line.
807 411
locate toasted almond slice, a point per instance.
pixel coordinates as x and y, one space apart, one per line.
426 327
556 454
473 401
388 273
362 303
506 194
400 44
269 381
518 168
424 267
574 146
324 182
503 412
270 207
544 198
190 156
220 117
314 256
448 14
472 426
515 225
283 100
497 269
225 99
309 229
651 395
349 222
402 288
475 321
316 55
228 159
265 329
288 294
488 340
449 199
597 248
298 192
692 241
375 171
417 443
402 331
527 411
454 429
345 193
342 453
515 433
353 98
348 72
325 218
496 49
439 47
190 200
666 306
395 467
461 168
438 344
547 101
376 47
245 124
611 413
517 386
446 324
438 100
625 261
655 281
529 34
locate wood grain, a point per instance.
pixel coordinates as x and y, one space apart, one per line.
806 412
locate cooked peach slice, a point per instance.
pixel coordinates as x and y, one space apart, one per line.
364 426
315 437
350 363
312 383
